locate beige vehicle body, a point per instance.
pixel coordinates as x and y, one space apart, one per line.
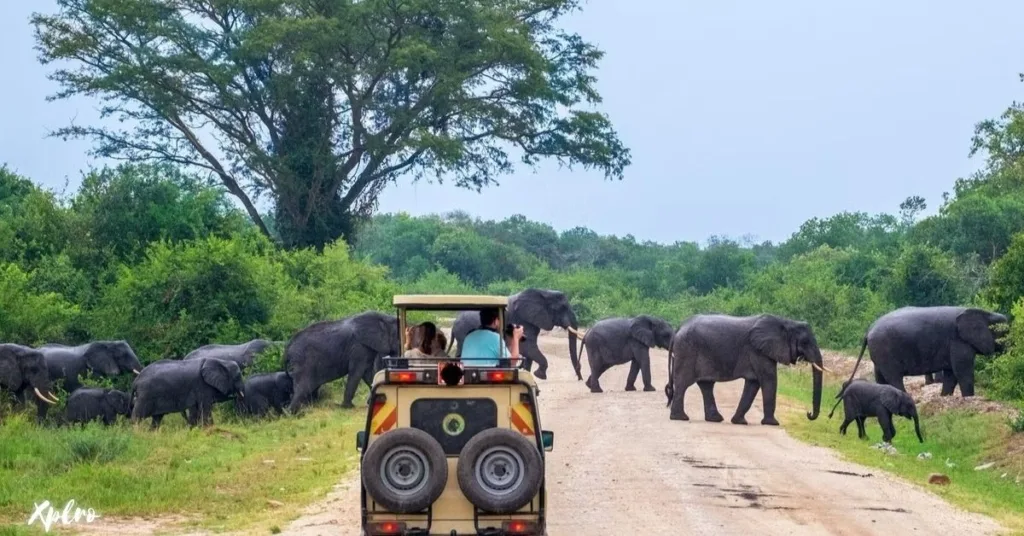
474 448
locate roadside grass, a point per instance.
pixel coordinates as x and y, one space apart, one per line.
219 478
965 438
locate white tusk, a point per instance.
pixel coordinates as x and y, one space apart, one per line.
41 397
574 332
135 372
821 368
52 397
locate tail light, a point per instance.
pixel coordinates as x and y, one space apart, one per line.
385 528
519 527
411 376
482 375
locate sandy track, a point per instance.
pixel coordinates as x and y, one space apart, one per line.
621 467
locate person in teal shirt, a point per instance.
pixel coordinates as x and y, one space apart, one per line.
484 346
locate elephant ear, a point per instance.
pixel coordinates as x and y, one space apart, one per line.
10 371
894 400
972 326
640 329
532 308
117 400
377 332
215 374
100 357
770 337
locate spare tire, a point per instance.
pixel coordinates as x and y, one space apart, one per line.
405 470
500 471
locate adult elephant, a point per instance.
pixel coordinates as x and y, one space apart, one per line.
614 341
242 354
536 310
23 368
912 341
102 358
175 386
721 348
327 351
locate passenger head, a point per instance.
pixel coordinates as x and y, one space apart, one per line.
489 318
428 332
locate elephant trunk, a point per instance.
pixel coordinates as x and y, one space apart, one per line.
573 354
816 373
917 426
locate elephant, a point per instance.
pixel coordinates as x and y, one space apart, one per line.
911 341
88 404
174 386
21 368
536 310
263 392
242 354
614 341
717 348
102 358
862 399
326 351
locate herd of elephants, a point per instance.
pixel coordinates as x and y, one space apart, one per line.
940 342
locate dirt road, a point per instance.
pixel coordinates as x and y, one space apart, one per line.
620 467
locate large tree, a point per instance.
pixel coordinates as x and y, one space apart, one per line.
321 104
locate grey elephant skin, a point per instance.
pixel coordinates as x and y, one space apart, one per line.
242 354
264 392
862 399
88 404
23 368
173 386
614 341
102 358
912 341
536 310
719 348
327 351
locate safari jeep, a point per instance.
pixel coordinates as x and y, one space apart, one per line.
450 448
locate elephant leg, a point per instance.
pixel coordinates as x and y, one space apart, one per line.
768 386
750 388
634 370
533 354
963 370
845 425
707 390
929 379
879 378
303 394
355 374
885 421
594 381
948 384
157 419
41 411
645 370
862 433
896 380
682 382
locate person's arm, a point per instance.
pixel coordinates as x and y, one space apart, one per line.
513 346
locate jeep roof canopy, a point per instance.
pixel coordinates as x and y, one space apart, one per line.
448 302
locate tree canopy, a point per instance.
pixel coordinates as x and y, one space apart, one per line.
322 104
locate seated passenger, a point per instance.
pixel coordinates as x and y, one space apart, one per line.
424 341
484 346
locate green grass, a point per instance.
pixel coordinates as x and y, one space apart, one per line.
218 478
967 439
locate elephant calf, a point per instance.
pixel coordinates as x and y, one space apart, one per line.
263 392
614 341
862 399
88 404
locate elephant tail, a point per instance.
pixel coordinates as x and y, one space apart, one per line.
863 347
839 399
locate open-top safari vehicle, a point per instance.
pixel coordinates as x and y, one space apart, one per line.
450 448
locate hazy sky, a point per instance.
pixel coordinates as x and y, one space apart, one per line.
743 117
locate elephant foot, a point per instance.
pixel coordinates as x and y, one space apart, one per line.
738 419
678 417
541 374
649 389
346 405
631 388
596 389
769 421
714 417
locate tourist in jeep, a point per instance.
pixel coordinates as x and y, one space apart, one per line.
484 346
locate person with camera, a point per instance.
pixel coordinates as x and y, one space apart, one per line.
485 346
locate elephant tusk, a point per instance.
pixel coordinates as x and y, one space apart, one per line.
821 368
43 398
574 332
136 372
53 397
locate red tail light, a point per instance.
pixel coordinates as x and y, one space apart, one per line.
519 527
403 376
386 528
498 376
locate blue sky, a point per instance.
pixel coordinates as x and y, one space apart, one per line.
743 117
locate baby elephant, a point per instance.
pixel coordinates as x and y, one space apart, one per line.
88 404
863 399
265 391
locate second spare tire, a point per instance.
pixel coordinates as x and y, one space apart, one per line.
500 470
405 470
